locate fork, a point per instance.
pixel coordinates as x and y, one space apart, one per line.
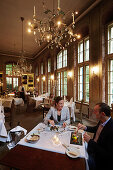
66 146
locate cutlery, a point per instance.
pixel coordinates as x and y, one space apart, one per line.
67 146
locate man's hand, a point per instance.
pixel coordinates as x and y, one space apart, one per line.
86 137
81 126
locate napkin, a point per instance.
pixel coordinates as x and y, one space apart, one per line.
16 130
3 131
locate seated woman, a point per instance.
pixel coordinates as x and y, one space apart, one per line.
59 114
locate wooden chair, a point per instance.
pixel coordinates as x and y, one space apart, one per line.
78 112
45 109
31 103
9 114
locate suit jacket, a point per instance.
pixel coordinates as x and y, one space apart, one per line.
65 115
102 150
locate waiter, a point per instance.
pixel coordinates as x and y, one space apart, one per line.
22 91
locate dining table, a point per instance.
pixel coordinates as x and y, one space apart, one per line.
45 154
3 131
6 102
28 158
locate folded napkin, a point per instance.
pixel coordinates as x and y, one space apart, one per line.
17 129
3 131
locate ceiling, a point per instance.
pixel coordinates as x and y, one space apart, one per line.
11 26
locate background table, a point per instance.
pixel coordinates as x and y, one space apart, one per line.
27 158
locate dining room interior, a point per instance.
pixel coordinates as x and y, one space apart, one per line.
48 49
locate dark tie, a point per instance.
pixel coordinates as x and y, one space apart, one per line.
98 132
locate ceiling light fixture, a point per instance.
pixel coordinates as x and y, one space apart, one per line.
52 28
21 67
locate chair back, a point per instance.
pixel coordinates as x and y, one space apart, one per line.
46 101
9 114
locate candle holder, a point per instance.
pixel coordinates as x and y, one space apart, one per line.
56 140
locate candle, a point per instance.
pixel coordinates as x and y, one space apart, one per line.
55 140
58 4
73 18
34 10
55 137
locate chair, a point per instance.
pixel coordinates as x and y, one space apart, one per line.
31 103
78 112
9 114
45 109
46 101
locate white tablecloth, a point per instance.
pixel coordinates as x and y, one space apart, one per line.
45 141
18 101
6 102
3 132
38 100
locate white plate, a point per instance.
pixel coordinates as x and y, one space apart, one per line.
32 138
72 128
73 150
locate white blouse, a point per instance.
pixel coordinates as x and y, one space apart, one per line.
65 115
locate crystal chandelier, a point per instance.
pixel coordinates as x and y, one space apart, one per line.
21 67
52 28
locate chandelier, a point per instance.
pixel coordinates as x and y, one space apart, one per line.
52 28
21 67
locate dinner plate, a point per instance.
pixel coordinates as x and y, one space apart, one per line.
32 138
72 152
72 128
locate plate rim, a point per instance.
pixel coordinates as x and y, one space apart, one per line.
31 141
72 156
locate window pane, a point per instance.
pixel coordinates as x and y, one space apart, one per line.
80 83
65 58
49 65
59 60
15 83
80 52
41 68
86 50
9 69
62 83
110 39
65 83
110 83
86 92
62 59
9 83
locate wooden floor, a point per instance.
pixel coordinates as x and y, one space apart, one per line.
28 120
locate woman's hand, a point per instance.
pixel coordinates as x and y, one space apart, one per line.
81 126
86 137
64 124
51 122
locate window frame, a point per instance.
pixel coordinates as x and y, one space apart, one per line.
61 71
81 91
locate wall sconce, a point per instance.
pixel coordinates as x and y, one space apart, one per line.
52 77
70 74
43 78
38 79
95 70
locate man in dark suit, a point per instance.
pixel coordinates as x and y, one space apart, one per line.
100 148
